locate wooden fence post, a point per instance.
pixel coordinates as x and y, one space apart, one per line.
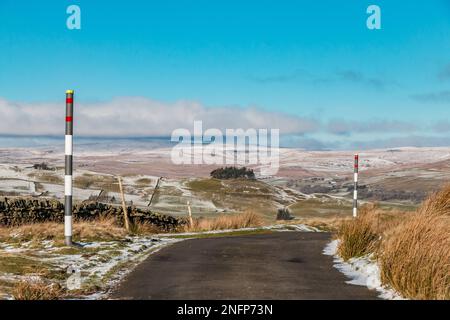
154 191
191 222
124 207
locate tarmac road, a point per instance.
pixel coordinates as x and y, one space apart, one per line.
279 265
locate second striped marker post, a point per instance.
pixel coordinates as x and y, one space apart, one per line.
68 169
355 187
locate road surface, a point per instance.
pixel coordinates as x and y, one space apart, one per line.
279 265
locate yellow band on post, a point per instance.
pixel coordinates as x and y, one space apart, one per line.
69 91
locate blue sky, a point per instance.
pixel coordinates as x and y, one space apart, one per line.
312 60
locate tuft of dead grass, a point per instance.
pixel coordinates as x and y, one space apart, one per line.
415 258
437 203
363 235
103 228
99 229
144 228
37 290
236 221
359 236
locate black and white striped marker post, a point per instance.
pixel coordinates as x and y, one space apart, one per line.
68 170
355 188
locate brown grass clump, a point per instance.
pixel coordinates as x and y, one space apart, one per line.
359 236
437 203
363 235
37 231
415 258
223 222
142 228
102 229
37 290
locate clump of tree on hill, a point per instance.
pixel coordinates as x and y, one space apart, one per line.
233 173
43 166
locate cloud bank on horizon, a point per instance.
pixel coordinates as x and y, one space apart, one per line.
142 117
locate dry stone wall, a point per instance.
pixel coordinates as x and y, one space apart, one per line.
17 211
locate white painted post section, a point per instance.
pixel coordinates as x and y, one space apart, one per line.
355 187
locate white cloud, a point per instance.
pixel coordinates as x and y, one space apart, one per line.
136 117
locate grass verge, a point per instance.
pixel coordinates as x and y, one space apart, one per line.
224 222
412 250
100 229
37 290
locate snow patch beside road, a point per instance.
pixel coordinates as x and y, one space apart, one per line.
363 271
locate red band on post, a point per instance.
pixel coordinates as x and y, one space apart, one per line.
68 119
69 100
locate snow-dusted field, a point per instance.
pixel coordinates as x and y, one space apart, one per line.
99 265
154 161
413 171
